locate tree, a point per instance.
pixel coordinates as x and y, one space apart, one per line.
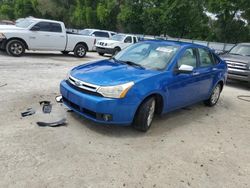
229 26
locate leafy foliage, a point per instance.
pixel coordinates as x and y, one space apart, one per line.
177 18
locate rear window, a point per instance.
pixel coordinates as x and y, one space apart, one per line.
101 34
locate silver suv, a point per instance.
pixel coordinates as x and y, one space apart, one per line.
238 61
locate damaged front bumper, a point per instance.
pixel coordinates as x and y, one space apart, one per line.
98 108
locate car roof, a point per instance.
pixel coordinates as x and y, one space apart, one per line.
245 43
178 43
99 30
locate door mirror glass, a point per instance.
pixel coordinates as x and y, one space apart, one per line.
35 28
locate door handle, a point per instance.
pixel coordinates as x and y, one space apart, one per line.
47 35
214 69
195 73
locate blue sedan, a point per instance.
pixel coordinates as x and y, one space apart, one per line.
147 78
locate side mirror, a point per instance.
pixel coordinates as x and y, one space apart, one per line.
186 69
35 28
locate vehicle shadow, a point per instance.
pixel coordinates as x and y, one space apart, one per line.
47 55
162 125
238 84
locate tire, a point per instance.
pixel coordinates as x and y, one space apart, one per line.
116 50
65 52
213 99
15 48
145 114
80 50
101 54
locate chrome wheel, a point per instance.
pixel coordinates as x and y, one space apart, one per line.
81 51
16 48
215 95
151 113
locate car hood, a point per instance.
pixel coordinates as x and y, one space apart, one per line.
236 58
10 27
108 41
110 72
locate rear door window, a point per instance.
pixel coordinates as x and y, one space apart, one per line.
206 58
135 40
55 27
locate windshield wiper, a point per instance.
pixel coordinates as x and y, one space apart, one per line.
131 63
235 54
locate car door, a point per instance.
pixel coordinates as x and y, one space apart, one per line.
207 71
183 88
47 36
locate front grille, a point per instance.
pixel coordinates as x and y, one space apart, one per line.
237 65
83 90
79 109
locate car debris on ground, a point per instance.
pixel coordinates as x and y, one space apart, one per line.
61 122
28 112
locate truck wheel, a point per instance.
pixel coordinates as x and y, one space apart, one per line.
15 48
145 114
65 52
80 50
101 54
116 50
213 99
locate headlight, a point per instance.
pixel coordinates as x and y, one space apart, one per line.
109 44
117 92
2 36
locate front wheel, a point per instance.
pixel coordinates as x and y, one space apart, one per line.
213 99
145 114
116 51
80 50
15 48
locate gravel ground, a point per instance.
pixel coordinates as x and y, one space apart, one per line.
192 147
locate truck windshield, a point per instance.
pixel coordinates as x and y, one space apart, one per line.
243 50
24 23
118 37
156 56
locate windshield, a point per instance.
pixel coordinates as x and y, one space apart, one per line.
118 37
24 23
243 50
148 55
85 32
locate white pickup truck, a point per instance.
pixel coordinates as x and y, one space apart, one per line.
40 34
115 44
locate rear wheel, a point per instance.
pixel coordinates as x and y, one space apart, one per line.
145 114
15 48
101 54
80 50
214 96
